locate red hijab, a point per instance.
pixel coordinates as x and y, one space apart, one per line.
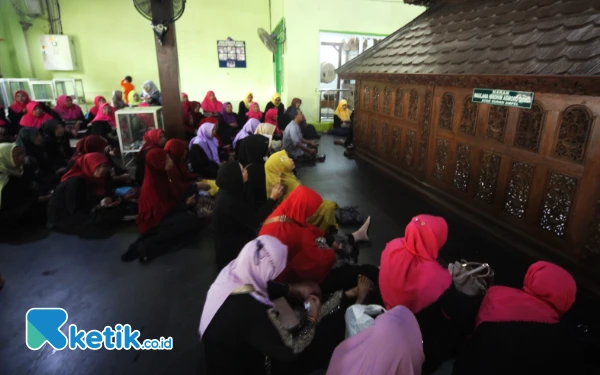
101 116
96 106
158 195
186 104
72 113
85 167
180 175
410 274
306 261
152 139
211 105
17 107
270 118
548 293
91 143
30 121
254 114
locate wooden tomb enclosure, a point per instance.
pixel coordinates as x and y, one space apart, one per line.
535 172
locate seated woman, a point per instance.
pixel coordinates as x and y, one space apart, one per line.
248 130
244 107
254 112
35 116
235 220
279 169
204 151
164 221
89 144
228 126
518 331
186 183
70 113
310 256
133 99
98 101
117 100
211 106
153 138
292 110
252 154
271 118
57 145
104 124
276 103
151 94
36 167
20 201
17 110
411 276
391 346
81 204
341 120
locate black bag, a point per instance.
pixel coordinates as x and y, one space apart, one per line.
349 215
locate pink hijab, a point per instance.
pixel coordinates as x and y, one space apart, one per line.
410 274
393 345
254 114
100 116
18 107
259 262
548 293
30 121
72 113
211 105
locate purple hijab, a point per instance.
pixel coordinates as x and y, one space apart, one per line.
246 131
260 261
228 117
393 345
207 142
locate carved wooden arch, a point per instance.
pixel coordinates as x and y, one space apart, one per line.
468 118
446 112
573 133
366 97
413 104
375 104
387 101
530 127
399 103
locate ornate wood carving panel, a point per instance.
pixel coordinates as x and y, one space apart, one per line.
384 138
364 130
463 167
399 103
375 104
446 112
424 140
409 148
396 142
592 246
496 123
519 186
413 105
489 166
468 118
441 159
366 97
530 127
356 96
387 101
573 133
558 199
373 137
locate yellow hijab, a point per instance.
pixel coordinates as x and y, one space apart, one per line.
343 115
246 100
132 102
278 170
275 96
7 165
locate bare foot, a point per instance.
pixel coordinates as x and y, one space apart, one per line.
365 285
363 233
352 293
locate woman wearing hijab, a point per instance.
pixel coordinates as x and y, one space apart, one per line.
278 105
151 94
117 100
518 331
35 116
153 138
228 125
18 109
164 221
19 197
279 168
244 107
254 112
271 118
36 167
91 143
391 346
211 106
104 124
411 276
133 99
341 120
204 151
69 112
185 182
235 220
81 204
57 145
248 130
98 101
292 110
252 154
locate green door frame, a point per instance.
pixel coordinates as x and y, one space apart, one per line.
279 31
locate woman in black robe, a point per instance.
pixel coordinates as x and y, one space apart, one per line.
81 204
252 153
57 145
228 124
236 220
243 108
276 103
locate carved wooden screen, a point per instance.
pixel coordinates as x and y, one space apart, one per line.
536 170
394 126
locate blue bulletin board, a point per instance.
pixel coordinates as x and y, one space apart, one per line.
232 54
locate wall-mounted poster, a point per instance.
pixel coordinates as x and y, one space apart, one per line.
232 54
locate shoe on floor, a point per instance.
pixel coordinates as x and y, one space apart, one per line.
321 158
339 142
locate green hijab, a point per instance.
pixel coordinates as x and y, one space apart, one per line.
132 101
7 165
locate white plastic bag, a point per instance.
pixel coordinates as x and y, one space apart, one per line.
359 317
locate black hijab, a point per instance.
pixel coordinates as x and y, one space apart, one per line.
230 179
253 149
26 139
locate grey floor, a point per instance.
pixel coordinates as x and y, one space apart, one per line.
165 298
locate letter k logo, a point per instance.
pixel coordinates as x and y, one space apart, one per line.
43 325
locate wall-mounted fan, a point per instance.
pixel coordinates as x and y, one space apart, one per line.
160 14
327 72
268 39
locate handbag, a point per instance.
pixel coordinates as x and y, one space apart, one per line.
471 278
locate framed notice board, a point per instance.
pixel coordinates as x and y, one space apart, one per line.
232 54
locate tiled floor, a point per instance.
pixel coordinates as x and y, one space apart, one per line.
165 298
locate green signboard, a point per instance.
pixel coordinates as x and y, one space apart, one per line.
519 99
